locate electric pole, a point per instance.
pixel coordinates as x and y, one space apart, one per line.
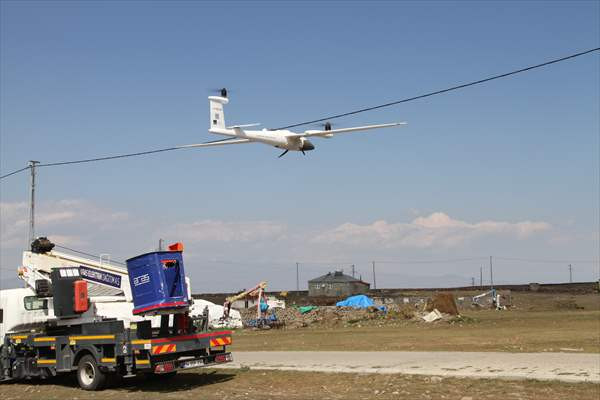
570 274
480 277
353 270
374 280
297 277
473 282
32 203
491 274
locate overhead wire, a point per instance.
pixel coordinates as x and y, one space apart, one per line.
546 261
87 160
14 172
452 260
456 87
461 86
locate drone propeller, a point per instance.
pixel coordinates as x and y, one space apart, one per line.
325 125
222 91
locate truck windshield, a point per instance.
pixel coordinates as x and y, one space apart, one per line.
33 303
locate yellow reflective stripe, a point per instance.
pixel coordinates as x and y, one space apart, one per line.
142 362
46 361
141 341
19 337
44 339
220 341
108 360
92 337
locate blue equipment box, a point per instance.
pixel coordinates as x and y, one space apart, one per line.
157 282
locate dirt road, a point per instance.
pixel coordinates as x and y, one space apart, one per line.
564 367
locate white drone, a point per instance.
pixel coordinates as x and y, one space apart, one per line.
280 138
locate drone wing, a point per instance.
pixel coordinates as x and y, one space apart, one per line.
216 143
331 132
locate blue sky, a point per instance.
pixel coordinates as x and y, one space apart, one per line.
82 79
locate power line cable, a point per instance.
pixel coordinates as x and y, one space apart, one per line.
14 172
87 160
325 118
546 261
461 86
451 260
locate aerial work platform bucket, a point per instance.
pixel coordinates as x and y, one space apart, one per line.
157 281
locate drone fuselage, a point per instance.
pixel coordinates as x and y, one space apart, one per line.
282 139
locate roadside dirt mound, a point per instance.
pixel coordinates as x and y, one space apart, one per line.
443 302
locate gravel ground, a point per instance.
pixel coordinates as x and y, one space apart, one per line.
563 367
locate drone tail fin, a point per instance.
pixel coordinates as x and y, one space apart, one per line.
217 115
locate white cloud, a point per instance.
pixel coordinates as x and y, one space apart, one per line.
58 219
270 247
437 229
223 231
13 226
69 221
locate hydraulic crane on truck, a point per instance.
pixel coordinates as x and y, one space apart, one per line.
57 325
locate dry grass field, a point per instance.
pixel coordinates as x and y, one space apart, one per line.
244 384
537 323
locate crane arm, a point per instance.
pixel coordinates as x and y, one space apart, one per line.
250 292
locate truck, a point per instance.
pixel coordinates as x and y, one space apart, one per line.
100 320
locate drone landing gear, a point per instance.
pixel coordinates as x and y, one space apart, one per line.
285 152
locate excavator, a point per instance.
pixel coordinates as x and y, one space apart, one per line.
258 294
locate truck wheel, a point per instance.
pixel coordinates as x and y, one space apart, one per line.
89 375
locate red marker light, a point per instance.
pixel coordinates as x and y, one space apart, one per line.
176 247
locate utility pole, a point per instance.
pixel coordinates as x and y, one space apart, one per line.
161 244
297 277
374 279
32 203
353 270
480 277
491 274
570 274
473 281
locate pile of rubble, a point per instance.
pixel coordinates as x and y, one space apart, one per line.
332 316
439 308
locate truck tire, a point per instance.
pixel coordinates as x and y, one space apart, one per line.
89 375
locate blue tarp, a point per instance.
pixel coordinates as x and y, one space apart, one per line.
263 306
358 301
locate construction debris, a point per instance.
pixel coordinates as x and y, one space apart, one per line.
333 317
359 301
306 309
357 311
432 316
443 302
215 315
